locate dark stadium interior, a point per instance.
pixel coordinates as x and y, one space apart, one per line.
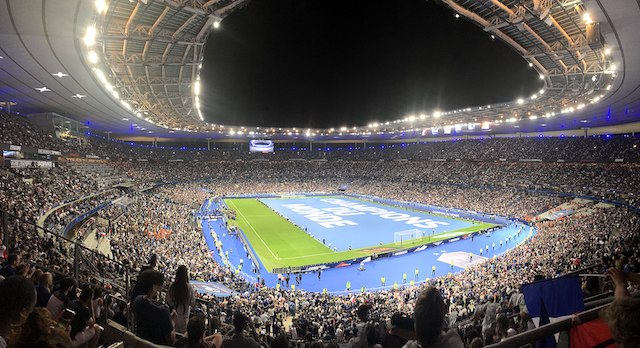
121 154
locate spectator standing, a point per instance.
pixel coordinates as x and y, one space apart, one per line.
43 289
154 322
181 297
429 315
84 330
17 300
237 338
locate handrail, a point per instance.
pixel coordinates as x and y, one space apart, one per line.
548 329
72 244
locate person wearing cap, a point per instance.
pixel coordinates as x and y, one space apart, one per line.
400 332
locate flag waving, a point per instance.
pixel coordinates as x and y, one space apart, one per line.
552 300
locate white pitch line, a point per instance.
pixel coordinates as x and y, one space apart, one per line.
303 256
254 231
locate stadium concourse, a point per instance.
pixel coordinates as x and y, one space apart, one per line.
135 205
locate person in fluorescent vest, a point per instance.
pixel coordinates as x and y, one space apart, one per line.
383 281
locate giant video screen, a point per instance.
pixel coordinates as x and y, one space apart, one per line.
261 146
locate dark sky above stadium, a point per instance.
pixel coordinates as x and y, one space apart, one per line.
333 63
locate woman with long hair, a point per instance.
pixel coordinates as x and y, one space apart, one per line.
181 297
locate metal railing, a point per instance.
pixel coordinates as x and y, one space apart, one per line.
50 250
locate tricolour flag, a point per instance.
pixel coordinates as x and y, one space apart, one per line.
552 300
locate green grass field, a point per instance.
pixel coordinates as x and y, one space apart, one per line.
280 244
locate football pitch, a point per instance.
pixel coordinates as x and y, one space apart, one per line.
302 231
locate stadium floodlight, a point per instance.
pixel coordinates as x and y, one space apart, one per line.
541 77
607 51
93 57
541 92
216 24
533 117
90 36
196 88
530 65
586 17
437 114
457 15
520 101
101 6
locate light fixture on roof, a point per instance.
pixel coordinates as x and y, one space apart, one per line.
93 57
541 77
60 74
90 36
196 88
493 36
520 101
79 96
216 24
530 65
43 89
101 6
587 18
457 15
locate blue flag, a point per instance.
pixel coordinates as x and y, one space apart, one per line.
552 300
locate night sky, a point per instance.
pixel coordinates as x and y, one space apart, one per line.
333 63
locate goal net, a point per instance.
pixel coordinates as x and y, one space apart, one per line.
408 235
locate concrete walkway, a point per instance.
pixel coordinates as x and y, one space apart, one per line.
103 246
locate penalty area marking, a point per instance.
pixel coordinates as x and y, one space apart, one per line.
254 231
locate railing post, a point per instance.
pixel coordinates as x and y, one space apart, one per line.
76 260
126 282
5 230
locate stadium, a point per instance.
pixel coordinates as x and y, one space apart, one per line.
134 213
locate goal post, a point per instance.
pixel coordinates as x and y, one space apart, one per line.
401 237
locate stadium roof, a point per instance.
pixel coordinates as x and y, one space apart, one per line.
132 67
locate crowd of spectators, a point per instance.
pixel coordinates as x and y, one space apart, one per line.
480 302
17 130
